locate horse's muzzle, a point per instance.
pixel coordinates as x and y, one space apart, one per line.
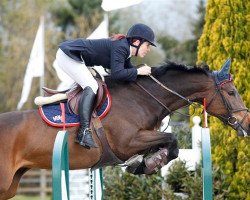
242 126
243 133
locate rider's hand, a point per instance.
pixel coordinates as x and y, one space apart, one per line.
144 70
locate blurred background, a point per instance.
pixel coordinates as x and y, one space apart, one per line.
177 25
187 32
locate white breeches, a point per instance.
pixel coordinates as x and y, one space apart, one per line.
78 71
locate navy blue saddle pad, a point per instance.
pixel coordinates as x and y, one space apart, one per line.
52 113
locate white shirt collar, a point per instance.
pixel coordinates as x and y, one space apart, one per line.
130 54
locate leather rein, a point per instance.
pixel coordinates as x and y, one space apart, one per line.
166 88
231 120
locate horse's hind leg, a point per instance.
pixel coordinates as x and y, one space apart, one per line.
11 191
163 148
151 163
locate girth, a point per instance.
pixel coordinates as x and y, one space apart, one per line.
107 157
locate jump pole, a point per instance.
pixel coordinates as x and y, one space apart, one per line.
96 184
206 159
60 163
60 167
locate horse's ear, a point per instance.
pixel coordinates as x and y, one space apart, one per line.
205 67
225 68
223 74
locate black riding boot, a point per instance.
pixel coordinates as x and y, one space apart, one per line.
86 106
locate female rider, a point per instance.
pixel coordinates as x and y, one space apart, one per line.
75 56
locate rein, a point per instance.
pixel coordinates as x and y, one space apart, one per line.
162 104
166 88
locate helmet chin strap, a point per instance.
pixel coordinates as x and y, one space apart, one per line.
138 46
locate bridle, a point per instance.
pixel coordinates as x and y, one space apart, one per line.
231 120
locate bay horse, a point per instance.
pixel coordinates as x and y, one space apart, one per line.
131 126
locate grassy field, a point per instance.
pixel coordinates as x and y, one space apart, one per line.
20 197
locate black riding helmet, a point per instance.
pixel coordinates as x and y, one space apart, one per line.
141 32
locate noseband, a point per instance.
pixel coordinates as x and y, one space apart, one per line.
231 120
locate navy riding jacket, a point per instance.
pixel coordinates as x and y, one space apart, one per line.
110 54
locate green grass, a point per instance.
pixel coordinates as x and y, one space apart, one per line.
21 197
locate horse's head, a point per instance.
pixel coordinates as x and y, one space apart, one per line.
195 84
226 103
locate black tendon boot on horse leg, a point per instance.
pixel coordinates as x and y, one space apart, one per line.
86 106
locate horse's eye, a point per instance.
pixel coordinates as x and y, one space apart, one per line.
231 93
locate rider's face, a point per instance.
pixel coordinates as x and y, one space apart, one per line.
143 50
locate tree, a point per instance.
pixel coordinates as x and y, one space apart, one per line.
78 18
185 51
19 24
226 34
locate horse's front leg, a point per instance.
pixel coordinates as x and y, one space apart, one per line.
162 147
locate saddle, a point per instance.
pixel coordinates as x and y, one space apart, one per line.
72 95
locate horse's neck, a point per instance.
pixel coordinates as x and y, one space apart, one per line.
189 85
192 86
